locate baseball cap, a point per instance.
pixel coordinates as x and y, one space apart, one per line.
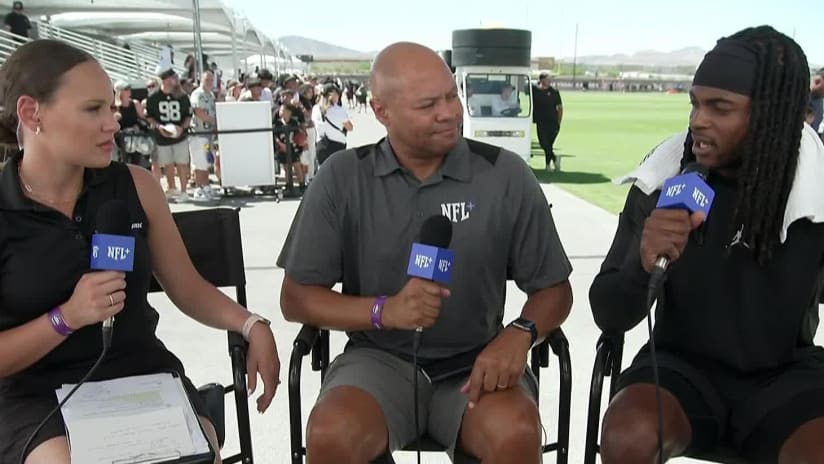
253 81
17 5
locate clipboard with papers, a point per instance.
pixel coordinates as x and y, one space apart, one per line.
134 420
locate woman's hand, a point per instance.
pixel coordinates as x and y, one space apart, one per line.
97 296
262 359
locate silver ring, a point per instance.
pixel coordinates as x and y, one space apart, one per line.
501 387
111 300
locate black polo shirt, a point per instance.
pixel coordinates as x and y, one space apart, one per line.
546 102
363 211
43 254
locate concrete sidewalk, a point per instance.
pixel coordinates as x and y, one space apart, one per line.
586 232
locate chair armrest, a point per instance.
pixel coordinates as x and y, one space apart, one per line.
305 340
237 353
559 343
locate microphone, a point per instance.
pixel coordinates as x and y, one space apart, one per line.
688 191
112 247
430 259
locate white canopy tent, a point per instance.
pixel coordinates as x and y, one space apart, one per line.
222 31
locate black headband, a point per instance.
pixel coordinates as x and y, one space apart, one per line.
731 65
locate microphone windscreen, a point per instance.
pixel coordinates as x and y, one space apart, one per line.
436 231
697 168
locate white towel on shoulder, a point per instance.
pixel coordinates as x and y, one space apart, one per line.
806 200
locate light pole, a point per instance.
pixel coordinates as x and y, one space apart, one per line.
198 42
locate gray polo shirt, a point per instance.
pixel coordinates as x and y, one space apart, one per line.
363 211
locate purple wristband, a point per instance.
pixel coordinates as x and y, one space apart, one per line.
58 323
377 312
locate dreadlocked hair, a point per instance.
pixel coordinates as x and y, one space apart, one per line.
770 150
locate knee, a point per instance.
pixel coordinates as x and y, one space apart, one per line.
628 438
330 427
340 428
510 432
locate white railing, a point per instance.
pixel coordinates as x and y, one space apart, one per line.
9 42
138 62
119 62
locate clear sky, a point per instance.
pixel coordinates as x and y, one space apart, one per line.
604 26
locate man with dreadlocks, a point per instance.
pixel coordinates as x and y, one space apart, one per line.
735 323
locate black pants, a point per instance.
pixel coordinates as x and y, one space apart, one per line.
547 133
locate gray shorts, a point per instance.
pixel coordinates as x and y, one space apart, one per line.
389 380
173 154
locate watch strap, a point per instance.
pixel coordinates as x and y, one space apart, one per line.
250 322
527 326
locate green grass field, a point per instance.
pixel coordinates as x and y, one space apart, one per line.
605 135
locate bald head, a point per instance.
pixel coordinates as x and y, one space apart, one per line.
401 62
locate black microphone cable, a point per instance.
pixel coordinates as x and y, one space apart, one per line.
107 337
416 343
655 281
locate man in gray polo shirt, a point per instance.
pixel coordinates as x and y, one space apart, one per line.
356 226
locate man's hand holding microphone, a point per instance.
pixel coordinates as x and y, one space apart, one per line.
666 232
683 205
418 304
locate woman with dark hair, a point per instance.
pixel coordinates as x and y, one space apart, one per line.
737 365
57 106
189 64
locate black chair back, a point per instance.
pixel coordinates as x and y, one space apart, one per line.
213 241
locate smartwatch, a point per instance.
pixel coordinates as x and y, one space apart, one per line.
527 326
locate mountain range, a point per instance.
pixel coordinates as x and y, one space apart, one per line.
321 50
688 56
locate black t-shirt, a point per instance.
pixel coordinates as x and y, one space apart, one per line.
128 116
546 102
718 302
168 109
18 23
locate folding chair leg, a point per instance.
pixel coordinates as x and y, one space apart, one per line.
565 365
242 405
295 418
599 370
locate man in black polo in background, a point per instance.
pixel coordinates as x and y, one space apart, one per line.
547 115
17 22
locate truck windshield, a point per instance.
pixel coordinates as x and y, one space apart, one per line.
498 95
